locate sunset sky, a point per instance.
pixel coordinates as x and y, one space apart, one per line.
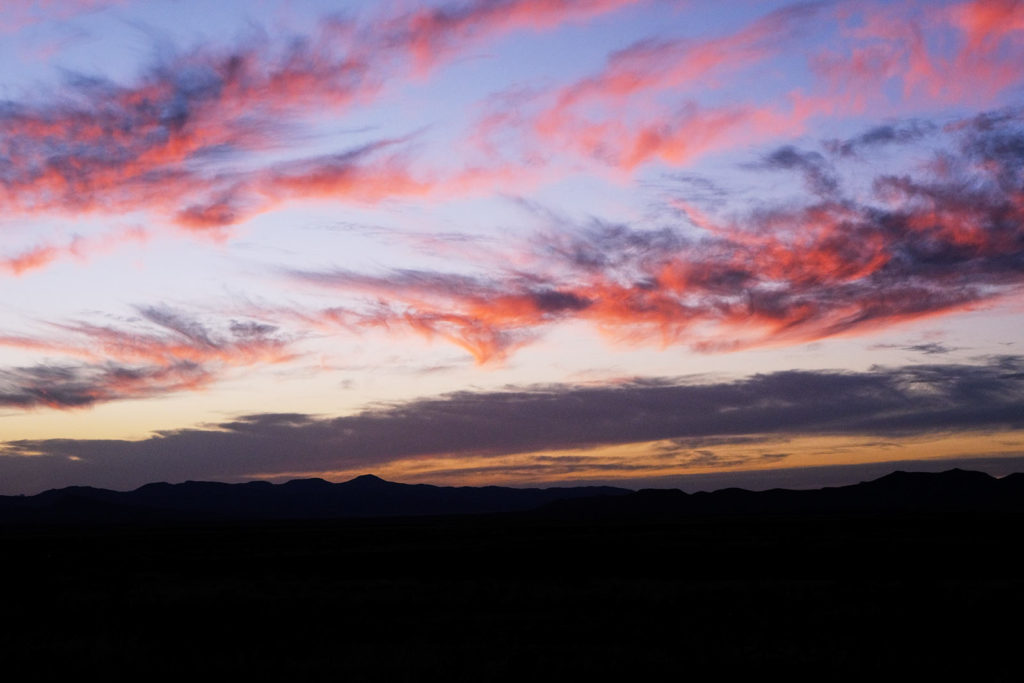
520 242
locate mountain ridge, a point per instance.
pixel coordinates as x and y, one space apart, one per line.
951 491
368 495
364 496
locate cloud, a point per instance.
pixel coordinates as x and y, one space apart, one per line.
78 247
431 34
818 477
183 140
488 318
19 14
694 417
187 140
165 145
927 348
818 175
682 458
898 43
165 336
620 115
83 385
945 239
899 133
660 100
161 351
659 64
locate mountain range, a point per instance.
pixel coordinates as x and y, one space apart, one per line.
369 496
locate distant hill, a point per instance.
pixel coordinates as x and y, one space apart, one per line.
364 496
369 496
954 490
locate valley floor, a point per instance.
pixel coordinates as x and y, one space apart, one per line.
518 597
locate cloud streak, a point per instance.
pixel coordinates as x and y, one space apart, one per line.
164 351
84 385
21 13
691 418
660 100
431 35
78 247
596 117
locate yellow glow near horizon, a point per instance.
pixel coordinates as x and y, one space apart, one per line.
647 460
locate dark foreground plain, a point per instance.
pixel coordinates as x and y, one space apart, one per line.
636 587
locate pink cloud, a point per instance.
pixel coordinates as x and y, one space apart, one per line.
655 100
21 13
154 145
596 116
78 247
926 246
432 34
904 43
164 351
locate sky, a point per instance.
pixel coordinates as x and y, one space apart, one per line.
520 242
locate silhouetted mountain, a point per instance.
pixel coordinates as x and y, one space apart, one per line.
370 496
364 496
955 490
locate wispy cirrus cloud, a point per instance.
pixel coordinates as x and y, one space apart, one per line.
165 336
161 351
659 100
171 139
487 317
80 247
21 13
82 385
944 239
597 116
955 53
432 34
184 140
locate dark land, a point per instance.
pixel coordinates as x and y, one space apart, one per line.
909 576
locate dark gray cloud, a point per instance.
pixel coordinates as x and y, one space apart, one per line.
927 348
162 351
898 133
612 248
693 188
683 458
819 175
698 415
76 386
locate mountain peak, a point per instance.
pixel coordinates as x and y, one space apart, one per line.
316 482
365 479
